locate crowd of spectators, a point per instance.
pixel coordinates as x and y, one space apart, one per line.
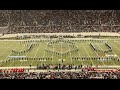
61 75
61 72
54 21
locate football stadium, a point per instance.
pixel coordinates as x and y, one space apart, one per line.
60 44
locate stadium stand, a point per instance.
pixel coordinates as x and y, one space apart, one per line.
18 23
61 75
4 30
54 21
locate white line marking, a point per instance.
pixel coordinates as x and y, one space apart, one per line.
105 53
79 55
35 54
87 54
25 55
117 48
98 56
70 53
44 52
7 49
13 60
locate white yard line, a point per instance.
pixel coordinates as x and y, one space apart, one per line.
100 47
70 54
117 42
3 45
87 54
91 51
117 48
26 56
13 60
98 56
7 49
114 54
105 53
44 53
35 55
102 50
79 56
22 61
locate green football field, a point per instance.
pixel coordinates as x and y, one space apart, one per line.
55 51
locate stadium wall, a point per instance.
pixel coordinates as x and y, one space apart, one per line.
73 34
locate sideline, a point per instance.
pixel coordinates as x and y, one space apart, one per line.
34 67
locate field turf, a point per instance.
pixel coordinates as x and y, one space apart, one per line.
38 51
